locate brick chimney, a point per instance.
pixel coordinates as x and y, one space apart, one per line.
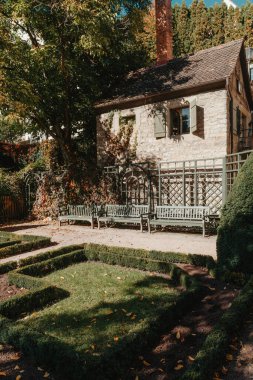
164 31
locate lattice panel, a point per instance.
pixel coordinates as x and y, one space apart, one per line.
209 191
172 190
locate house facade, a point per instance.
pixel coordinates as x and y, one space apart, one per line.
190 108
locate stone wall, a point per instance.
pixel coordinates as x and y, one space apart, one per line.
210 139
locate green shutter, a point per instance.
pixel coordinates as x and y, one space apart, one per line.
193 116
160 124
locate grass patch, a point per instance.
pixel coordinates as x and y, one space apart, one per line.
106 303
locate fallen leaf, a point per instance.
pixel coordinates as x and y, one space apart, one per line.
136 377
3 373
124 311
18 377
93 346
229 357
191 358
178 335
160 369
147 364
17 367
40 369
46 375
62 278
116 338
118 278
178 367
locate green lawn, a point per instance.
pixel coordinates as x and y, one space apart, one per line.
105 304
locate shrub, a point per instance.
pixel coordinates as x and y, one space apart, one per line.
235 233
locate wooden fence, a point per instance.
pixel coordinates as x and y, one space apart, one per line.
11 209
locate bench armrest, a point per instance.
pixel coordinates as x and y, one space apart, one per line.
148 214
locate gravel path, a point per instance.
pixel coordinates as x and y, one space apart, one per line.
123 237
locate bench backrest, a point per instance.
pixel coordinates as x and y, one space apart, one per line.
182 212
124 210
80 210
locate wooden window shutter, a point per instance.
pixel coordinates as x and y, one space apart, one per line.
160 124
193 116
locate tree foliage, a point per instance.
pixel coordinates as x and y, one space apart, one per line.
197 27
59 56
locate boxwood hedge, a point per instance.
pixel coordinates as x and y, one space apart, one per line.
235 233
53 353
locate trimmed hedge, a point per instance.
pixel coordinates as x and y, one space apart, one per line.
235 232
16 307
168 257
213 351
28 243
9 243
49 255
56 263
5 268
53 353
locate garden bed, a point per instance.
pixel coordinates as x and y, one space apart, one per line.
105 314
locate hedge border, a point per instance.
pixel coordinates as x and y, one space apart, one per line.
212 354
98 368
27 243
169 257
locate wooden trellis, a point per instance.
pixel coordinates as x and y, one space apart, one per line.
204 182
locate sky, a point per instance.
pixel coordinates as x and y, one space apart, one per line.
210 3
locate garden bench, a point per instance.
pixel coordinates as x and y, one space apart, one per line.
82 213
132 214
184 216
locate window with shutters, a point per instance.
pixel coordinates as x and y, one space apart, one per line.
180 121
160 124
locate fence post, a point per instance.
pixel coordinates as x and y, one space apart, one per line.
224 180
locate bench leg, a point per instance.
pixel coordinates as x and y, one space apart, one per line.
92 224
141 226
204 229
149 227
98 224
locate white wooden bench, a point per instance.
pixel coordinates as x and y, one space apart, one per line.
82 213
184 216
132 214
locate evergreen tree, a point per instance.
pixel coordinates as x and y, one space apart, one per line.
184 29
203 30
218 24
193 15
248 23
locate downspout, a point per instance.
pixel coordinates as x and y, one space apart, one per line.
231 116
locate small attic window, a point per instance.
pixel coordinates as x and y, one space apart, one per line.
238 86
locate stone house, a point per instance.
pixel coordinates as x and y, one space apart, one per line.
195 107
189 108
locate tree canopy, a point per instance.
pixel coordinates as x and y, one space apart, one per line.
59 56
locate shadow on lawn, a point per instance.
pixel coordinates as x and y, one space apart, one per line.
101 328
